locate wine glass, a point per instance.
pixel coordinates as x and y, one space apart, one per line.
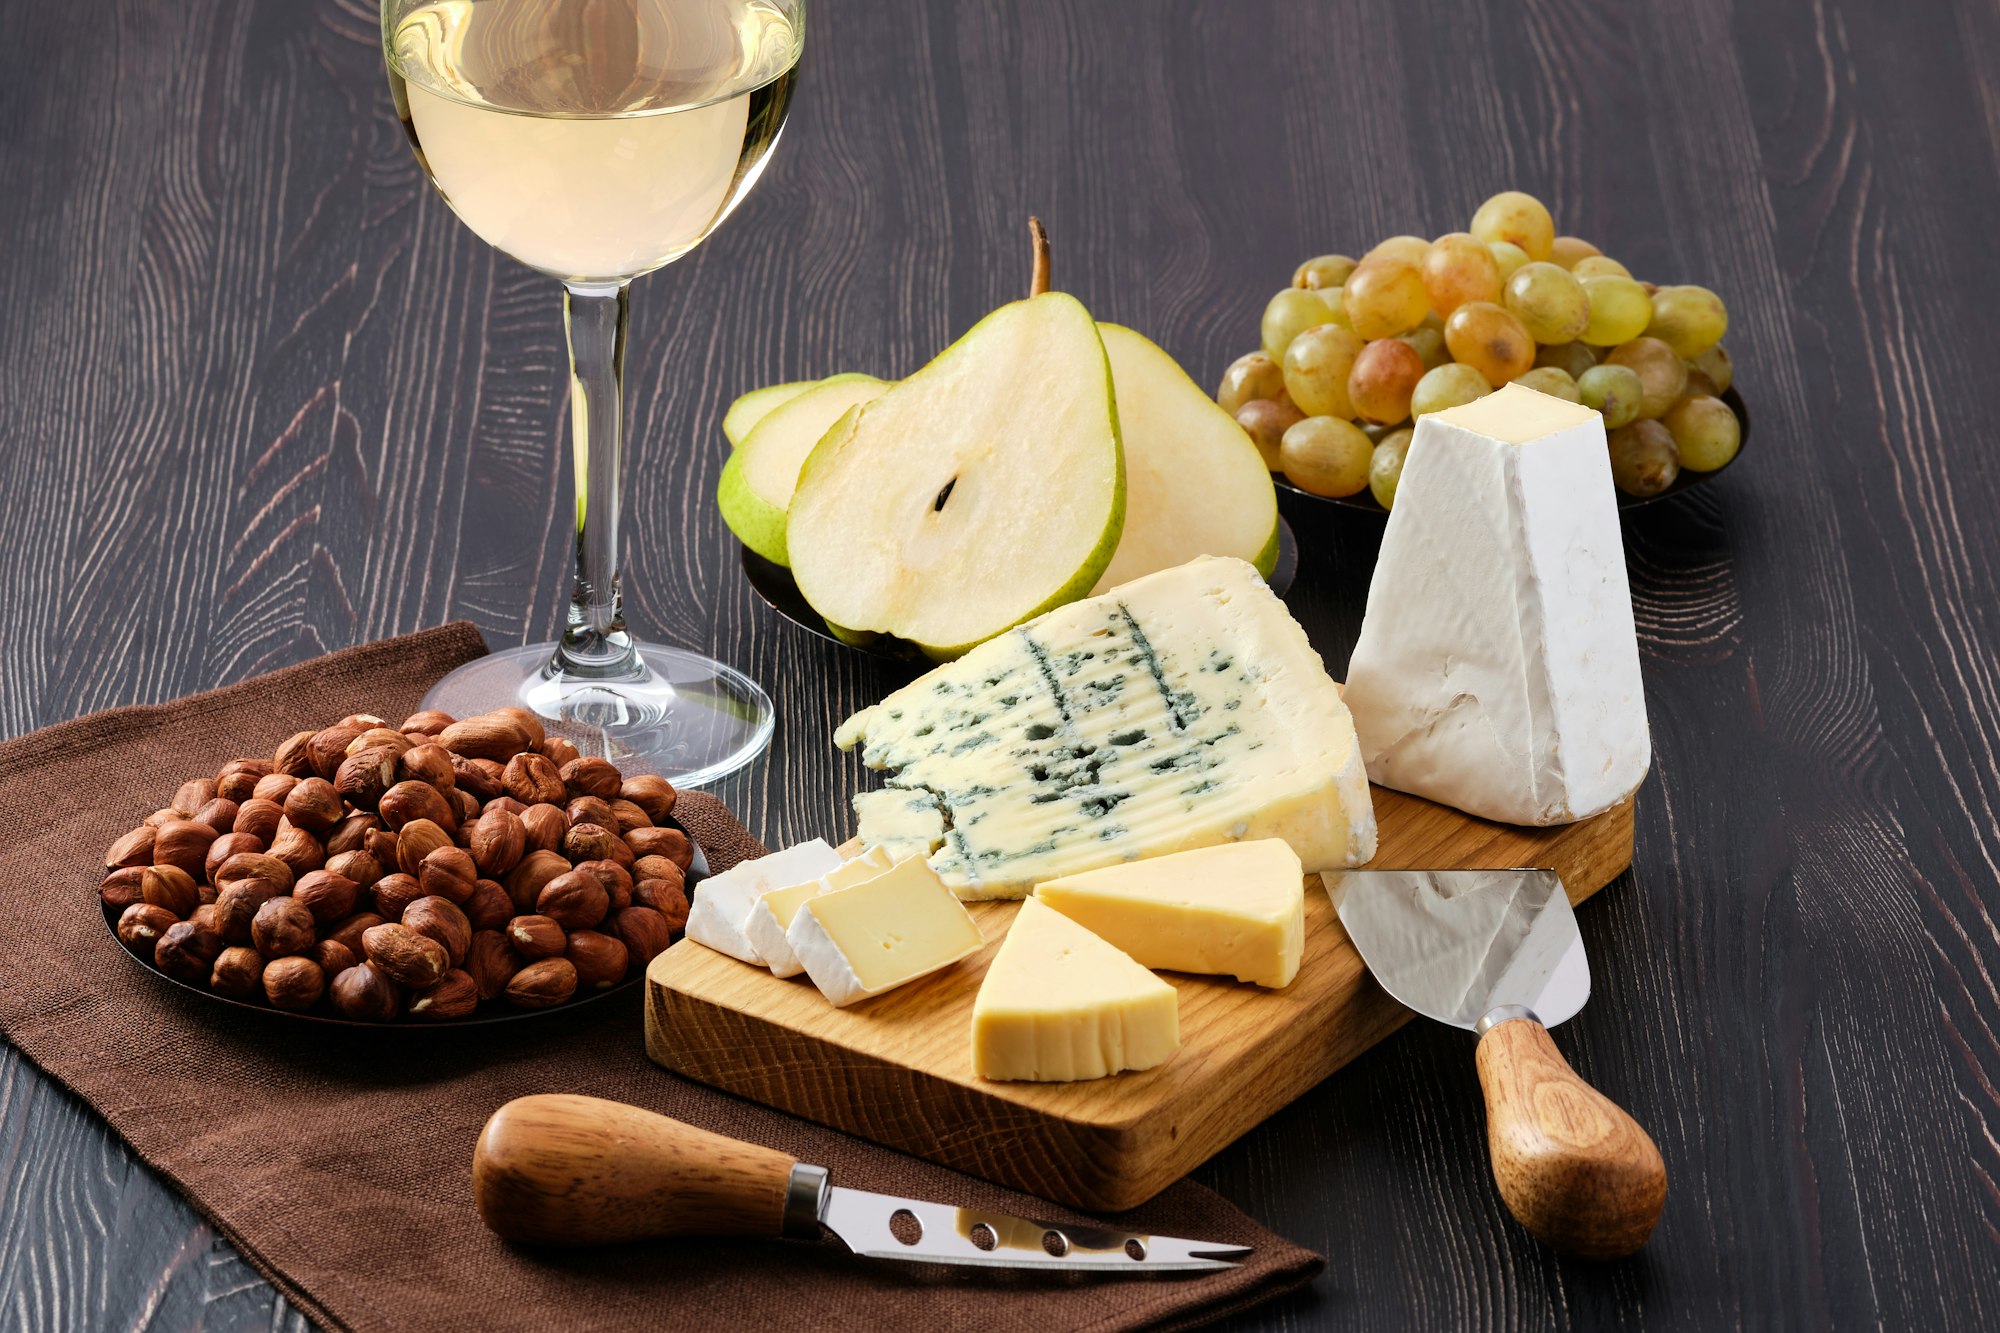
596 140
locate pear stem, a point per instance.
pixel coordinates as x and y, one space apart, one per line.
1040 282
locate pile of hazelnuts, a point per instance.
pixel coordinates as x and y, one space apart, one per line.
380 873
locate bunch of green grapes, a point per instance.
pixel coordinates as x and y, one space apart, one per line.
1355 351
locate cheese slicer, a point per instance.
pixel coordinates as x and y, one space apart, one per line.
1497 952
557 1169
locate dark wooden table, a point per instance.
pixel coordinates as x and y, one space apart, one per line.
262 396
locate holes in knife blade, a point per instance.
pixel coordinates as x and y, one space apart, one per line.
985 1237
906 1226
1055 1243
1135 1250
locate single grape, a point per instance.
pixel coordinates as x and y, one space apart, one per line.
1716 362
1551 381
1620 310
1517 218
1290 313
1599 266
1663 374
1698 383
1615 391
1705 431
1429 343
1643 458
1549 303
1250 376
1574 357
1322 272
1459 268
1326 456
1508 256
1688 319
1383 378
1316 366
1266 420
1336 301
1490 340
1385 466
1449 385
1383 297
1566 250
1409 249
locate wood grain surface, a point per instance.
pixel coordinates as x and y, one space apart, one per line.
898 1068
261 395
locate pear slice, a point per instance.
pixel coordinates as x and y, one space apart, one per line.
981 491
757 481
1194 483
744 414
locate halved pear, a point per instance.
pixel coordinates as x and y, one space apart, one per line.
757 481
1194 482
981 491
744 414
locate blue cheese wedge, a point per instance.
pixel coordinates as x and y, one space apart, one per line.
771 915
881 934
1181 710
720 913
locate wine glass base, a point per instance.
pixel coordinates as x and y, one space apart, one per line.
689 718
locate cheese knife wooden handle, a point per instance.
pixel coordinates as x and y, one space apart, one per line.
557 1169
1573 1167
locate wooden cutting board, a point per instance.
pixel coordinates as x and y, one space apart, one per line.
897 1069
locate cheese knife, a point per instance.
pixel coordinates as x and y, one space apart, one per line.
556 1169
1497 952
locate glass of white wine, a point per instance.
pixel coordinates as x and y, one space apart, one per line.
596 140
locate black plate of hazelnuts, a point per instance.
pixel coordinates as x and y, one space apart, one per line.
444 872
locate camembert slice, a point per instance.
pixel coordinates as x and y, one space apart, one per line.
771 915
720 912
1059 1004
881 934
1238 909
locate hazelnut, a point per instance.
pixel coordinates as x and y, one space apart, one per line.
237 779
560 751
236 907
314 806
524 883
533 779
123 887
574 901
365 995
668 842
541 985
489 906
254 865
455 995
186 952
429 764
499 841
486 737
159 817
183 843
600 960
413 802
644 931
464 806
205 917
440 919
359 866
349 932
169 887
394 893
297 848
590 810
328 747
226 846
380 843
482 777
134 849
449 872
328 896
294 756
656 867
666 897
141 925
545 826
591 842
363 720
259 818
282 927
294 983
192 796
505 802
274 787
536 937
617 881
404 956
205 894
528 721
238 972
491 962
418 839
653 794
592 777
378 738
219 814
332 956
362 778
429 722
628 816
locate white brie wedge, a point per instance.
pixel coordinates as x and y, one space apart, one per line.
771 915
720 912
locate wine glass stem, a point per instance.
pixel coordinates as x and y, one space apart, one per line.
594 643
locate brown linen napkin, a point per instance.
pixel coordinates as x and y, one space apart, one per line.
339 1162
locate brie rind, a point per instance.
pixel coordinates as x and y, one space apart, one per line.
722 903
1498 665
771 915
881 934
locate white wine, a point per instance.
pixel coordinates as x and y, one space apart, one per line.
593 139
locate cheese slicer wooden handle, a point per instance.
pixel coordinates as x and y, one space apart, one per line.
1572 1166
